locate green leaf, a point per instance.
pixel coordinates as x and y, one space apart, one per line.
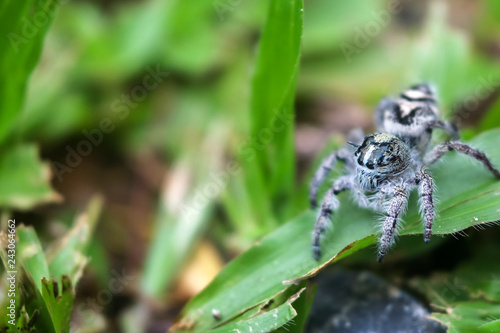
25 180
28 297
30 253
24 24
491 327
59 301
269 154
179 227
468 316
468 298
33 302
284 257
51 301
264 320
259 319
68 256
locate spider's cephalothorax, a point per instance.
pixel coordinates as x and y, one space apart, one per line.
389 164
381 156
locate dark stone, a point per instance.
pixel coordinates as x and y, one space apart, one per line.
360 302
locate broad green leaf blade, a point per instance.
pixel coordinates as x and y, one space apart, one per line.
301 299
59 300
68 256
271 150
491 327
258 274
265 321
285 256
302 306
23 28
24 179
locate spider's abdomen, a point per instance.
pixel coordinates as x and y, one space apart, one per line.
409 115
380 156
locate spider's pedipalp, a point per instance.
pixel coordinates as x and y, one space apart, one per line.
425 189
396 208
328 205
446 126
438 151
324 169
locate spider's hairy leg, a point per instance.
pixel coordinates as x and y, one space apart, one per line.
396 208
425 188
446 126
462 148
328 205
324 169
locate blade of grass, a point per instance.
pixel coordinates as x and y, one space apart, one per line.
23 28
68 256
178 229
272 113
30 253
59 300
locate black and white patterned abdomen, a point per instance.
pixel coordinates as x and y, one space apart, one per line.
409 115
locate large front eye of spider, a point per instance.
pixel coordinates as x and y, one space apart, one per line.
383 153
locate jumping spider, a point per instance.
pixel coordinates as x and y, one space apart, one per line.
387 165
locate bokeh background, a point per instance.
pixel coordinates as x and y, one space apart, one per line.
164 88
